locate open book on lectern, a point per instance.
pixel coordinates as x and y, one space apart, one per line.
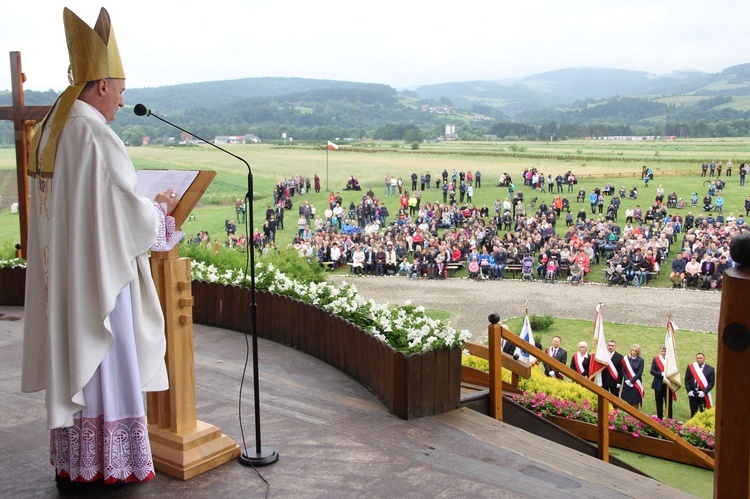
189 185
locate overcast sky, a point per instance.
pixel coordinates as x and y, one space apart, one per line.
400 43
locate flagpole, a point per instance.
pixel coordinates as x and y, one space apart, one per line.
669 390
327 148
668 402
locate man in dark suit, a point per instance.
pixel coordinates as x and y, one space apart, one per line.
369 265
699 381
610 382
658 385
556 353
509 348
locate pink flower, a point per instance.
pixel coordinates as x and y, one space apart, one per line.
635 434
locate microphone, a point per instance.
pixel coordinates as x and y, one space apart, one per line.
260 456
140 110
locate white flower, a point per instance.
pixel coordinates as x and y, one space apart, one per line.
420 331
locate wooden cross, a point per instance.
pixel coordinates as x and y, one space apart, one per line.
24 120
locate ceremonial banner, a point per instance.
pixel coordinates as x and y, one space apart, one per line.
600 358
528 336
671 369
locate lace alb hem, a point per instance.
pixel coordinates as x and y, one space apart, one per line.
95 449
166 235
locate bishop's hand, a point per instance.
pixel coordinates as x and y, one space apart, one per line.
169 197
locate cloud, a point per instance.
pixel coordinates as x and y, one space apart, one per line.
397 43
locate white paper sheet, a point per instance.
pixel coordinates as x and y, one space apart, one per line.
152 182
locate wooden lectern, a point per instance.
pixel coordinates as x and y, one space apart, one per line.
181 445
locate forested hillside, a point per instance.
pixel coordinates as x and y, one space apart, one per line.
568 103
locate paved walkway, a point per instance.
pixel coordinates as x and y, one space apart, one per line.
471 301
334 437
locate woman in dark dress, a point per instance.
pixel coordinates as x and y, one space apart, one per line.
580 361
632 386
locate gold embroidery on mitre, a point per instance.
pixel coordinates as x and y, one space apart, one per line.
93 56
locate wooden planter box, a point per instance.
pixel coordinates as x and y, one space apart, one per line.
12 286
650 446
410 386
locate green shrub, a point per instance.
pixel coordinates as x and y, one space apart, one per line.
294 266
705 420
541 322
539 382
223 258
476 363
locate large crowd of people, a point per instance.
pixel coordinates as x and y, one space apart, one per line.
431 235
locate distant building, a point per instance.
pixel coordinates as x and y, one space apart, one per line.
635 137
450 132
229 139
237 139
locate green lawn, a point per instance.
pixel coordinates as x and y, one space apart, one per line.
696 481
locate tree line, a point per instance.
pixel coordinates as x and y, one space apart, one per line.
380 112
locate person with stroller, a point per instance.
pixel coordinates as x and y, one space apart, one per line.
527 267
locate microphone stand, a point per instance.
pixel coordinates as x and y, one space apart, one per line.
262 455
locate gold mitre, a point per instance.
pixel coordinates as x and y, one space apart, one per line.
93 56
93 52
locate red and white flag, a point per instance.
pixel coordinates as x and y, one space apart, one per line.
332 146
600 359
671 369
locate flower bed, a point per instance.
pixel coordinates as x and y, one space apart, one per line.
547 405
407 328
409 360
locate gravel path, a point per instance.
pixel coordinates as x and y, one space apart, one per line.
471 302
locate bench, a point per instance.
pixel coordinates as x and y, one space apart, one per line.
514 268
453 267
652 274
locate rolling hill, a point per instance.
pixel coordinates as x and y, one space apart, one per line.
317 109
